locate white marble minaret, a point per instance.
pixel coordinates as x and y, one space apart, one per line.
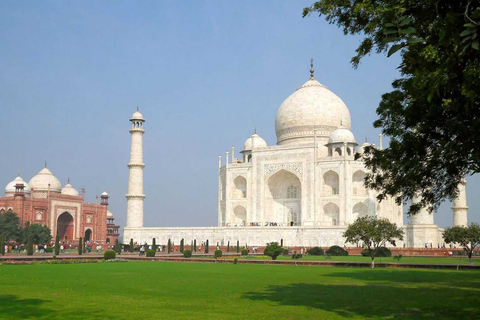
460 208
135 194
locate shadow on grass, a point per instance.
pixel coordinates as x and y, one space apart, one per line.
12 307
377 300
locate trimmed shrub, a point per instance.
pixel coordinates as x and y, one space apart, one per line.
235 261
57 244
228 246
336 251
2 245
195 245
238 246
154 245
187 253
281 242
49 249
206 247
181 246
273 250
30 245
244 252
109 255
217 254
315 251
381 252
296 255
150 253
80 249
131 245
169 246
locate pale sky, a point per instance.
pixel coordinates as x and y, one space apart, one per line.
203 73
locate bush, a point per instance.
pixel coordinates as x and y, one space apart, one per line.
49 249
218 253
57 245
187 253
315 251
109 255
285 251
30 245
244 252
296 255
150 253
2 245
336 251
273 250
235 261
381 252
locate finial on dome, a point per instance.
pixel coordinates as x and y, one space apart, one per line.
255 130
18 173
311 69
68 180
45 164
366 140
137 109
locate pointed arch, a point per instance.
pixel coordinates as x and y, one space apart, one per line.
358 183
239 190
331 183
283 198
332 214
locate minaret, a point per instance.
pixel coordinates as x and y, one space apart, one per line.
135 194
424 216
460 208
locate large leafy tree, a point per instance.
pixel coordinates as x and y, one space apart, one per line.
467 237
373 233
9 226
41 233
432 115
273 250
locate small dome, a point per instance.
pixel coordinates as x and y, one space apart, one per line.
361 149
10 188
255 141
104 193
109 214
341 135
41 181
137 116
70 190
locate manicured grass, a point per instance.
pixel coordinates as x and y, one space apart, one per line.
167 290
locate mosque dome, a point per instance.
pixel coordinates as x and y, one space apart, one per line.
104 193
341 135
70 190
255 141
137 116
109 214
41 181
10 188
361 149
312 106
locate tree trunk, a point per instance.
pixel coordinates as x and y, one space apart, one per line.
470 258
373 262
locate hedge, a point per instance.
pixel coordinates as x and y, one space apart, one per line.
109 255
315 251
217 254
187 253
150 253
336 251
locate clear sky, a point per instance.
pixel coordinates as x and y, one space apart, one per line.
204 74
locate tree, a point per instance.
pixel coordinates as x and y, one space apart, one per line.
195 245
10 226
2 245
154 245
467 237
84 245
206 247
432 114
40 233
118 247
238 246
30 245
80 244
181 246
374 233
131 244
228 246
169 246
57 244
273 250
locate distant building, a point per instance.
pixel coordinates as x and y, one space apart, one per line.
63 210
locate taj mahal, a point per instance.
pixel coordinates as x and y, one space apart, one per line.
303 191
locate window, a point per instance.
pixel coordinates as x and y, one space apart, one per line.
292 192
39 216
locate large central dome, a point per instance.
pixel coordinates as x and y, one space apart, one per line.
310 107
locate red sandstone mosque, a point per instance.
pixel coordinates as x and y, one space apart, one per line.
63 210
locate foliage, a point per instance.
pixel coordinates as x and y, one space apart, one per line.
467 237
169 246
296 255
131 245
315 251
273 250
10 226
244 252
118 247
40 232
206 247
195 245
336 251
381 252
397 257
187 253
49 249
374 233
235 261
154 245
281 242
285 251
217 254
433 113
30 245
181 245
57 244
238 246
84 247
2 245
228 246
109 254
150 253
80 244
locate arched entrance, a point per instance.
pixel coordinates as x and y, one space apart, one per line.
88 235
240 216
65 226
283 199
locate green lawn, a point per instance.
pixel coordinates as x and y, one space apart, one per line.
168 290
